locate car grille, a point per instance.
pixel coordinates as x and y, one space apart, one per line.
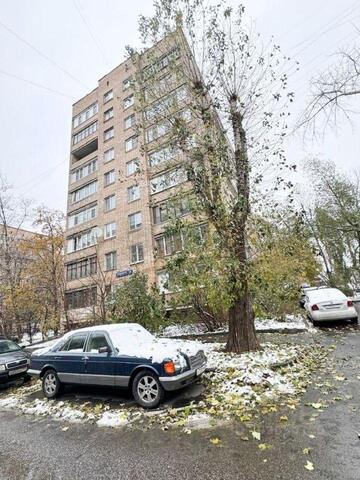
16 364
198 360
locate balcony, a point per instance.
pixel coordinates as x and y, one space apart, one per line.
84 150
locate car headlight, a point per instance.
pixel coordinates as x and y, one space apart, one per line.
2 368
180 363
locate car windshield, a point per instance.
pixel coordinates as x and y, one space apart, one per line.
131 336
7 346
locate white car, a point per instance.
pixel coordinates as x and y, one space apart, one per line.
326 304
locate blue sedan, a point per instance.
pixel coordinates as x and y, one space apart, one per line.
123 355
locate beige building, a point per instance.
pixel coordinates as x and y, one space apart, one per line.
119 178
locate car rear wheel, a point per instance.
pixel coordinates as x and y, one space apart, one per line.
147 389
51 385
355 320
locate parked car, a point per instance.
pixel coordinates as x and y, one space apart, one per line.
14 362
122 355
326 304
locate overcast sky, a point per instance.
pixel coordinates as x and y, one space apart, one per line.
87 38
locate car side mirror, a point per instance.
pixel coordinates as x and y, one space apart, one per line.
104 350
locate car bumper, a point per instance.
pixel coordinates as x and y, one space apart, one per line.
5 377
176 382
327 316
34 373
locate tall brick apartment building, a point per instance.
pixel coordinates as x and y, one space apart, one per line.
119 181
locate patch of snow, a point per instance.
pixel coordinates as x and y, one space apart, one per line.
113 419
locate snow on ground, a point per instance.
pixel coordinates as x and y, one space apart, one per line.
235 386
291 323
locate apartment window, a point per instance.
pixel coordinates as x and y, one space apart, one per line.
108 96
82 240
133 193
131 143
109 155
128 101
82 216
169 103
167 180
84 170
109 178
85 115
84 133
162 155
129 121
137 253
110 230
81 269
161 63
110 203
110 261
83 192
83 298
162 280
168 244
157 131
108 114
127 83
135 220
108 134
166 210
132 166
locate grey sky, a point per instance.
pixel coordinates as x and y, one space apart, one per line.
35 123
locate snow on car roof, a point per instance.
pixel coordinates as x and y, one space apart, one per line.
325 294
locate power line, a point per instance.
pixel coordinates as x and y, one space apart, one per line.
43 55
97 44
30 82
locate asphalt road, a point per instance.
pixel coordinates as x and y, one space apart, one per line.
38 449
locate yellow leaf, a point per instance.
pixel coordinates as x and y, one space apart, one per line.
215 441
309 466
316 405
283 418
256 435
306 451
264 446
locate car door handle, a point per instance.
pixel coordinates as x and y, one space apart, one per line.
57 358
85 358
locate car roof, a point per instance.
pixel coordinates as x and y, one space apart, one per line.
326 293
107 328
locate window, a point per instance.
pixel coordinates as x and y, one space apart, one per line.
84 170
108 134
109 155
110 230
168 244
169 103
135 220
108 96
129 121
83 192
110 203
108 114
127 83
80 298
137 253
81 268
110 261
128 101
164 211
109 178
82 216
162 280
131 143
162 155
168 180
86 132
161 63
77 343
82 240
157 131
97 341
83 116
132 166
133 193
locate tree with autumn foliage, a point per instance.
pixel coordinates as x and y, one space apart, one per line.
225 127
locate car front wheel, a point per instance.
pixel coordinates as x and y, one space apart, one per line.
51 385
147 389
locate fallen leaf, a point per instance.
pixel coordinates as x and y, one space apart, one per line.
245 439
311 436
306 451
256 435
187 431
65 429
264 446
316 405
215 441
309 466
339 378
283 418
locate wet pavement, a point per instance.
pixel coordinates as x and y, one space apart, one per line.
33 448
